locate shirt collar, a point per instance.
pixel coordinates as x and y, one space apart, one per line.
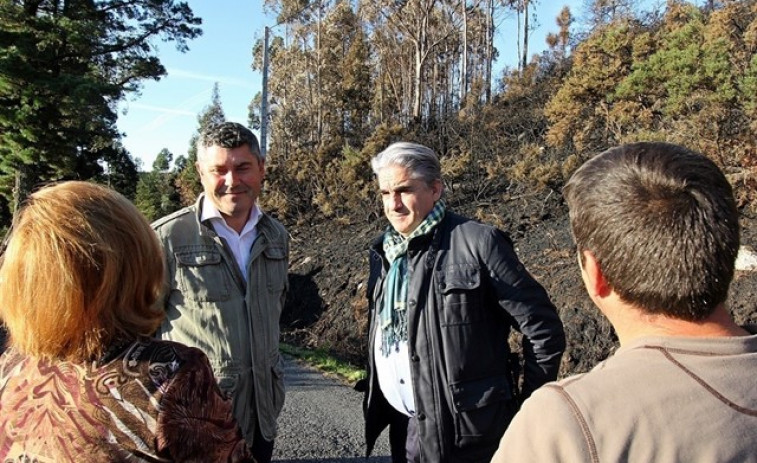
210 212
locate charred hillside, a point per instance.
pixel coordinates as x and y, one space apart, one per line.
327 307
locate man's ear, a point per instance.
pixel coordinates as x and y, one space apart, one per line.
438 188
594 279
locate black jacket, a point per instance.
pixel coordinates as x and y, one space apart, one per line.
466 289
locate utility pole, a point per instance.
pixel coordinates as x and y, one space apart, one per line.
264 97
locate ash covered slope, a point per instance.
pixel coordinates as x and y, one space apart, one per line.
326 307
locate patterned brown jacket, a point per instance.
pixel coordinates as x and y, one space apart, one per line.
147 401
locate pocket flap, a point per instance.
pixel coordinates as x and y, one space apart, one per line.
460 278
274 252
227 374
225 367
199 257
471 395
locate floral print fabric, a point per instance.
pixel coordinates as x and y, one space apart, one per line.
154 401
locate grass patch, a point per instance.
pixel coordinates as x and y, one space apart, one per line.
321 360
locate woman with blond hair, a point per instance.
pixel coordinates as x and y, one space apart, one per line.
81 378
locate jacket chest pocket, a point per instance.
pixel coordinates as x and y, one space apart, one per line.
202 275
461 295
275 265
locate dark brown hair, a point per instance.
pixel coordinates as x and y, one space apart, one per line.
662 223
228 135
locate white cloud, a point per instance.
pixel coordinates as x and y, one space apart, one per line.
174 72
161 109
189 107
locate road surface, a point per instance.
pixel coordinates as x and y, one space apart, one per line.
322 421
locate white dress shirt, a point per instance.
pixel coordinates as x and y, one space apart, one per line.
239 243
394 376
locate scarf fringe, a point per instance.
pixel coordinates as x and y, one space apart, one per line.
393 318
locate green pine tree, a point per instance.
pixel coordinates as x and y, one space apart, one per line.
188 180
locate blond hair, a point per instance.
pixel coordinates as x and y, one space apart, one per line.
82 269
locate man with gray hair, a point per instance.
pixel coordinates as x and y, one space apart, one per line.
226 283
657 234
444 292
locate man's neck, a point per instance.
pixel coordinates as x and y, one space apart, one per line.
630 323
236 223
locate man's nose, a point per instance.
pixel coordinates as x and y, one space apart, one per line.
395 202
230 178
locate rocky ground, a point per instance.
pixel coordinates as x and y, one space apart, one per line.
327 306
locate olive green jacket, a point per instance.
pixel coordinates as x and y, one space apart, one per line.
235 322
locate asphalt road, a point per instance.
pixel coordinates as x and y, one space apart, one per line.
322 421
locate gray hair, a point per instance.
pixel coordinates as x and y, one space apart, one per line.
228 135
420 160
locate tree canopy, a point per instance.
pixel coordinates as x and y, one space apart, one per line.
64 65
187 179
347 79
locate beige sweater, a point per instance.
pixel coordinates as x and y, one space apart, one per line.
657 400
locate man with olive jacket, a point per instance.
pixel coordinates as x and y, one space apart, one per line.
443 293
226 280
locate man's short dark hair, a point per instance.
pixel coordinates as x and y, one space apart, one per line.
662 223
229 135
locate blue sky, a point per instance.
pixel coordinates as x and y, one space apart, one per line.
165 114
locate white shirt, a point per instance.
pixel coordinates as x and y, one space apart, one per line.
394 376
239 243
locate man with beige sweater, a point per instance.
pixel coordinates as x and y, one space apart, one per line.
657 233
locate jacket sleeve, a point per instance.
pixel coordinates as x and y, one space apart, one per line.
547 428
195 421
169 270
285 291
534 315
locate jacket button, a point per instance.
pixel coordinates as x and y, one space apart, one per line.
414 358
421 416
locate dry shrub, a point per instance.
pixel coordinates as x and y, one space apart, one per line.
322 201
359 305
570 165
274 201
744 182
535 169
455 165
345 190
491 218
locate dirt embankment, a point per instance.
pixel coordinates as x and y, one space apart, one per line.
326 306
